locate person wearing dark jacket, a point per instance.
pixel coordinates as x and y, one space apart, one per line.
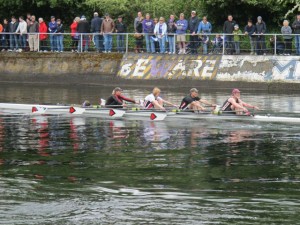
83 29
95 29
13 38
261 29
121 29
193 27
250 31
60 36
228 28
171 30
296 27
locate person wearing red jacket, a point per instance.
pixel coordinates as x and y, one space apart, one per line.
116 99
74 34
43 36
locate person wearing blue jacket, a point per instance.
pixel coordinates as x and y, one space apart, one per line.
52 27
148 30
181 27
204 26
250 31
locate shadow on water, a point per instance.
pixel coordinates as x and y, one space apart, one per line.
80 170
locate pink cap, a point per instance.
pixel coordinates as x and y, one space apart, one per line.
235 90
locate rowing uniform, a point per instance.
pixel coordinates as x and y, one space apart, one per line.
227 106
149 99
116 101
188 100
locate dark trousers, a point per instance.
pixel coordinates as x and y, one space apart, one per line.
74 43
260 45
288 46
229 44
193 43
43 45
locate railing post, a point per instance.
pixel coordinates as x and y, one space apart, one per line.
81 42
38 42
275 44
126 51
223 50
174 41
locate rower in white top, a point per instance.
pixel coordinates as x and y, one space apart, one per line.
155 101
235 105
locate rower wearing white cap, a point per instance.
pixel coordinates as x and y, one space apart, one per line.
192 101
155 101
116 99
235 104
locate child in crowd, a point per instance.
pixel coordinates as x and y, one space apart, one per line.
236 38
217 44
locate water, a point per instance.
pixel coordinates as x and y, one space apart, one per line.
79 170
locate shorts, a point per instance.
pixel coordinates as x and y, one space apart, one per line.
181 37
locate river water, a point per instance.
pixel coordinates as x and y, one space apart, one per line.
80 170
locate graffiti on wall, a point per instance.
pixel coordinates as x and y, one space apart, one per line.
170 67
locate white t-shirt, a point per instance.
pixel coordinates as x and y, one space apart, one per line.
148 101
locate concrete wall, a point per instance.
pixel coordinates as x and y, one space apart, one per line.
212 67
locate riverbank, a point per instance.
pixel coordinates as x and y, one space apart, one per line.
265 73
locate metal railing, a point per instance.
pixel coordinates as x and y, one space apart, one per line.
171 43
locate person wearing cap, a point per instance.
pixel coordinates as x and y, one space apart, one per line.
116 99
193 24
235 105
107 28
261 29
83 30
121 29
95 29
250 31
154 101
296 27
192 101
236 38
52 27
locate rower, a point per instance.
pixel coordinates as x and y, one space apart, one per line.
155 101
86 104
192 101
116 99
235 105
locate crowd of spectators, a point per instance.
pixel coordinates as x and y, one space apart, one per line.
170 36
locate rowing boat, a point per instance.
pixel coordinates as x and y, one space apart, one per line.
33 108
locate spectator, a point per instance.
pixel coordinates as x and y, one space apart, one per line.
22 29
137 20
95 29
217 44
171 30
139 36
83 29
148 28
52 27
28 19
228 29
60 36
296 27
160 31
74 34
286 30
250 31
154 38
43 36
204 26
12 28
205 42
121 29
193 24
107 29
33 31
5 36
1 31
181 27
261 29
236 39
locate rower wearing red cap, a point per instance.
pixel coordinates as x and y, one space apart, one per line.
235 104
116 99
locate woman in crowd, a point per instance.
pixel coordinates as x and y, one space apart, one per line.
286 30
160 31
43 36
74 34
139 36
